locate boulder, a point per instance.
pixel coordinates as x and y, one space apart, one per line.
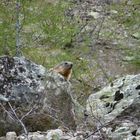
116 107
59 102
31 95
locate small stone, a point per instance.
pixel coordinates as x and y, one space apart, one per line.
138 132
2 138
131 138
11 136
37 137
94 137
94 14
65 137
54 134
113 11
21 137
74 138
137 137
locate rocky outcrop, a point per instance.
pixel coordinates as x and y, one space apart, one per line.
29 93
116 108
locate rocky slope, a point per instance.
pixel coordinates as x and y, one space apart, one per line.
42 101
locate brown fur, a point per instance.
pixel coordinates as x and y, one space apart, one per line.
64 68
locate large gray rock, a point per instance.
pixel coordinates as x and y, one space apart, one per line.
41 99
59 102
116 106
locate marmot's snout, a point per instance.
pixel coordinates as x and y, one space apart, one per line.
71 65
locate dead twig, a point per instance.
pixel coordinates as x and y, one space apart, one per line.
19 120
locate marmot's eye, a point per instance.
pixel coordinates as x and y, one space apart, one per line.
66 63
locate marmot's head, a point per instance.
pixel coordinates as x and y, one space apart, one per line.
66 64
64 68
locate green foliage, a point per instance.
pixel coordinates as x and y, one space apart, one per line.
58 28
128 14
7 27
136 2
133 56
42 23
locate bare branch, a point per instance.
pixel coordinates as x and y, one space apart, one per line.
27 114
9 114
19 120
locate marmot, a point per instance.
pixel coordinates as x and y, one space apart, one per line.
64 68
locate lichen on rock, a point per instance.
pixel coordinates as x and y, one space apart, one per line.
29 87
117 106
